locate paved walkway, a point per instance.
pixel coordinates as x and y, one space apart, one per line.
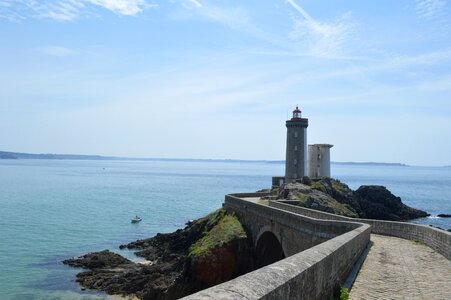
400 269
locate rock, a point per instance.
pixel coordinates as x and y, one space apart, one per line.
96 260
208 251
224 252
305 180
444 215
339 191
330 195
312 197
379 203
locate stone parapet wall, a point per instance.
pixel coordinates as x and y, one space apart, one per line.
311 274
437 239
305 232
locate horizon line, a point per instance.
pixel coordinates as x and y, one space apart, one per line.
56 156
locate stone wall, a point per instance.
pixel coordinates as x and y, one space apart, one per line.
310 274
437 239
294 232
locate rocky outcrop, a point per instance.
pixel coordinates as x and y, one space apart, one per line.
377 202
444 215
313 198
97 260
206 252
330 195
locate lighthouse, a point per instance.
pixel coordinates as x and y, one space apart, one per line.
296 157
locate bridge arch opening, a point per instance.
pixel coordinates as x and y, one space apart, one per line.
268 250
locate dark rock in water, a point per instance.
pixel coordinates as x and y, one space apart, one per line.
208 251
330 195
379 203
96 260
444 215
438 227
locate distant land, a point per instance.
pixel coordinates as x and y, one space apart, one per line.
18 155
353 163
371 164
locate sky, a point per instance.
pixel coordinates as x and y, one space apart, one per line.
218 79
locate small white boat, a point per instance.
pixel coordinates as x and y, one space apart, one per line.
136 219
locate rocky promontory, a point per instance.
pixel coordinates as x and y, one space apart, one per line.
331 195
215 249
206 252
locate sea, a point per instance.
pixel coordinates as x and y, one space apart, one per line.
51 210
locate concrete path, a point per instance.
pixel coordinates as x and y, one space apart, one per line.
400 269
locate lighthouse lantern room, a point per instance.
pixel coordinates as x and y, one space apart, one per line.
296 114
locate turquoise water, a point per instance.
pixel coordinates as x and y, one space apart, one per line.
51 210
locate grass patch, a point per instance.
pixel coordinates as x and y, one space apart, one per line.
302 198
228 227
341 293
317 185
338 187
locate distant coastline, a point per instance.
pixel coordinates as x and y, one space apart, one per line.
371 164
20 155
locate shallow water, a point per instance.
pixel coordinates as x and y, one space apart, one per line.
54 209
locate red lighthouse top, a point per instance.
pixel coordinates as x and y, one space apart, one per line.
296 114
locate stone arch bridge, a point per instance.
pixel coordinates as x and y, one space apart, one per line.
306 254
277 234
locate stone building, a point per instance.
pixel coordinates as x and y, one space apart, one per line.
319 160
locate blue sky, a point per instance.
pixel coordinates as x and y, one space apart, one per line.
217 79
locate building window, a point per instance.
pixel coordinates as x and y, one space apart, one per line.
295 148
295 134
295 161
295 176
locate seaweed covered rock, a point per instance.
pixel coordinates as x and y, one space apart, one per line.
206 252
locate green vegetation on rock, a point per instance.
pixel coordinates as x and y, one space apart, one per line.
224 228
341 293
332 196
318 186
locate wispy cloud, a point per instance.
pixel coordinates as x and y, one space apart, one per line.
195 3
67 10
8 12
428 9
322 39
123 7
58 51
234 17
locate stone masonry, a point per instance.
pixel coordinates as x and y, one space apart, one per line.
401 269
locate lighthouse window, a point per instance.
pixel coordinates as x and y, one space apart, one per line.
295 161
295 148
295 134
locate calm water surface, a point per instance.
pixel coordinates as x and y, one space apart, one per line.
51 210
